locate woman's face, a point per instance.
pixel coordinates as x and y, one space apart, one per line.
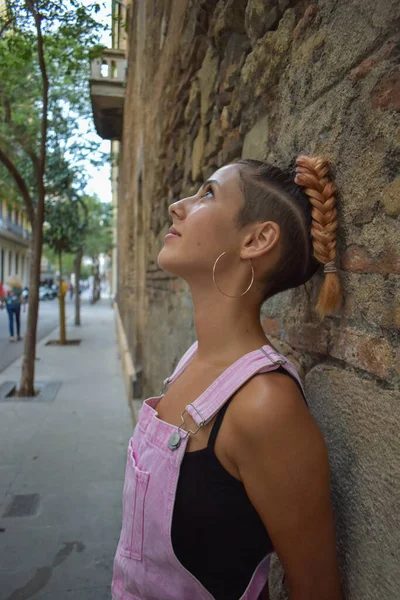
205 224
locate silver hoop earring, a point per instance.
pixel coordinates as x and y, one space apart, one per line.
219 289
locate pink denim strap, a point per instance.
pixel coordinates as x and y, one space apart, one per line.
182 364
214 397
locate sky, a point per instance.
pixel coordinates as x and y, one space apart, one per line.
99 178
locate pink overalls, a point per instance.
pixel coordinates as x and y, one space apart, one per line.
145 566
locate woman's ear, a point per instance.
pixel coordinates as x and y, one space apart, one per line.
261 240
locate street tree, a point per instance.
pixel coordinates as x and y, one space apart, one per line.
86 230
44 73
79 249
98 237
63 232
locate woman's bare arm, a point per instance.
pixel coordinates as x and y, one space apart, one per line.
283 463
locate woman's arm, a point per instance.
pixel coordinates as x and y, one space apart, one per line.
283 463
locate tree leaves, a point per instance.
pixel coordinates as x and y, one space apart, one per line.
98 236
62 225
70 37
82 222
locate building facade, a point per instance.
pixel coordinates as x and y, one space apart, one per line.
107 87
211 81
14 244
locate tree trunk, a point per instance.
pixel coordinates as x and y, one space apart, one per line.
26 386
96 282
77 270
61 299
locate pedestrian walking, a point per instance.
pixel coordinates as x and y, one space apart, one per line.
2 296
13 298
228 465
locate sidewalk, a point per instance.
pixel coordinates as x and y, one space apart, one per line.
70 452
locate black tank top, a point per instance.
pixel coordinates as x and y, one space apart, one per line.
217 534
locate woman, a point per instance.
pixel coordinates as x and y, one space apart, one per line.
229 465
2 295
13 301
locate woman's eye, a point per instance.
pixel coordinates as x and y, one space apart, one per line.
208 192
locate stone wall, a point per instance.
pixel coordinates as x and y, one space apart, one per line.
211 81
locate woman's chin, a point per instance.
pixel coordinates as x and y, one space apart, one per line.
166 264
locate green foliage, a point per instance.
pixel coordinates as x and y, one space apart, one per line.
83 222
70 38
64 228
68 263
52 257
98 238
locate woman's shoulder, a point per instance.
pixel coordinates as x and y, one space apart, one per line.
267 407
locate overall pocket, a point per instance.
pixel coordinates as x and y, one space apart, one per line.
134 494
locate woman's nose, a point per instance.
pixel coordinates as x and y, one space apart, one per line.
177 209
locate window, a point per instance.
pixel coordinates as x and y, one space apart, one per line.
22 267
105 69
9 262
114 71
16 263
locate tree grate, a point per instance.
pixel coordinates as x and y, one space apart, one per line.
46 391
22 505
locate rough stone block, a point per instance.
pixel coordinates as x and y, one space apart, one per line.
310 337
397 362
197 154
234 56
272 326
391 198
260 16
225 119
207 78
386 93
359 421
215 138
262 67
373 298
357 259
231 148
305 21
256 140
366 66
192 109
227 18
223 99
372 354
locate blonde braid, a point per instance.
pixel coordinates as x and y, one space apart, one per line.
312 174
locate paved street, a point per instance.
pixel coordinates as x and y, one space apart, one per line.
48 320
71 454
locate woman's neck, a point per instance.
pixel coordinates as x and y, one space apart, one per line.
226 329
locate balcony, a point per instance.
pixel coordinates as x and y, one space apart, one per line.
14 232
107 92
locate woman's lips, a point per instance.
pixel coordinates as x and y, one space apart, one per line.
172 235
173 230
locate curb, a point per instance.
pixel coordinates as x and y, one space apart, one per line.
128 368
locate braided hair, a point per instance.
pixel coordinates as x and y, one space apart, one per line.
312 175
303 205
